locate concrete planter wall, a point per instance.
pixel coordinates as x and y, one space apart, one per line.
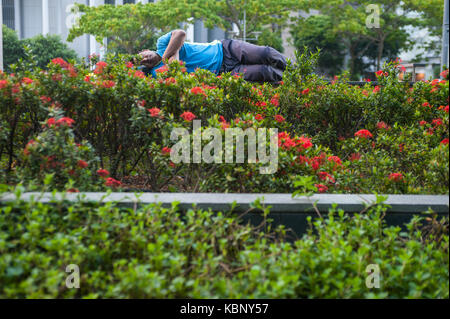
285 210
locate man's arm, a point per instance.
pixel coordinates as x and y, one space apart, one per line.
175 44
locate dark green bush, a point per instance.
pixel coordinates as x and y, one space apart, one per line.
154 252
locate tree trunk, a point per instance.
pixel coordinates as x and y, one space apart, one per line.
380 53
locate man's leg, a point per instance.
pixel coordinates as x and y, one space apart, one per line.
259 73
248 54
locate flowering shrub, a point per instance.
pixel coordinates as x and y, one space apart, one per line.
368 132
54 152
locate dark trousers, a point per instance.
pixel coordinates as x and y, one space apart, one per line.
256 63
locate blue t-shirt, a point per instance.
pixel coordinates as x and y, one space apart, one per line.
208 56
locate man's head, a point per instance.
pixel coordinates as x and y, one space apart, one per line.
150 59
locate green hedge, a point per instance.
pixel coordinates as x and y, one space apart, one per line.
154 252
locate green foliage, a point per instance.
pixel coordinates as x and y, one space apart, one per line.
315 32
129 28
271 39
12 47
43 49
46 48
155 252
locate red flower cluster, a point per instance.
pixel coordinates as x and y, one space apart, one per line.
108 84
82 164
444 141
363 134
335 159
154 112
27 81
259 117
381 73
100 66
275 100
62 121
305 91
111 182
198 91
162 69
354 157
3 84
383 126
188 116
279 118
60 62
324 176
321 188
166 150
376 89
103 173
396 177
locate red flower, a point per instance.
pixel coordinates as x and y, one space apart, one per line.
324 176
100 66
51 121
65 121
102 173
188 116
222 119
381 73
355 157
108 84
426 104
376 89
139 75
87 78
162 69
111 182
396 177
335 159
82 164
154 112
45 99
169 81
423 123
383 126
129 65
444 74
445 141
73 190
437 122
305 91
166 150
27 80
279 118
3 84
274 101
364 134
60 62
321 188
304 142
197 90
259 117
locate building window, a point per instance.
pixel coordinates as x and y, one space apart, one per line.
8 13
128 1
113 2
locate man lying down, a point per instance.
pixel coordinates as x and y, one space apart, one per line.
256 63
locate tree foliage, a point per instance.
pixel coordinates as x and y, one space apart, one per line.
43 48
129 27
